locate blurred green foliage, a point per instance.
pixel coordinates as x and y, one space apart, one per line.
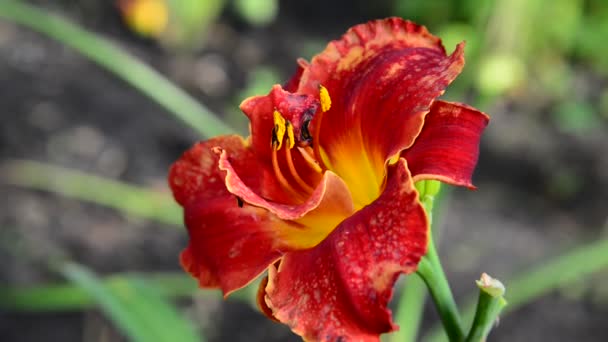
257 12
259 82
136 306
520 47
129 199
190 20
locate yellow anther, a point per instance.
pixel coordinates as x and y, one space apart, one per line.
290 136
324 98
279 130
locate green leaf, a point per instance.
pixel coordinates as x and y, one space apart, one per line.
410 308
136 307
127 198
101 51
68 297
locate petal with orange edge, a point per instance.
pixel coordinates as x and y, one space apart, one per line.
196 175
448 145
340 289
382 78
230 242
327 206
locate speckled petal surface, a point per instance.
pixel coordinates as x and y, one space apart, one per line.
340 289
231 243
382 78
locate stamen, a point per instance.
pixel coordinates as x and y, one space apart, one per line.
291 140
282 180
281 127
294 173
317 144
325 106
324 98
278 132
310 160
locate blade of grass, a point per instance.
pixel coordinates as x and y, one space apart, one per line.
103 52
69 297
155 311
135 307
126 198
409 310
540 280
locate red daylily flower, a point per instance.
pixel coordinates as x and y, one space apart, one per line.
322 194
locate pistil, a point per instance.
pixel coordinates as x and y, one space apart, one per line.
306 153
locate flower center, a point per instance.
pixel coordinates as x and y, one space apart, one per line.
283 136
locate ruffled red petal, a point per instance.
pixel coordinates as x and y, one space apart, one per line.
331 192
448 145
229 245
382 77
340 289
196 175
317 216
231 242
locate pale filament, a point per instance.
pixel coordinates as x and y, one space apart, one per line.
282 180
284 130
307 153
294 173
325 100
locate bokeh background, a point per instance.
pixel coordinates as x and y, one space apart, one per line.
537 67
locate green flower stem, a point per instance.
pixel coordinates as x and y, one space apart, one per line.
103 52
540 280
489 305
432 273
410 306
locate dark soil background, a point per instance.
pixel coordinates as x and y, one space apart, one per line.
57 107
